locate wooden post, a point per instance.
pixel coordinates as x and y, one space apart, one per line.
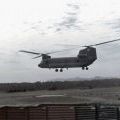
118 114
6 113
46 111
97 112
27 113
75 115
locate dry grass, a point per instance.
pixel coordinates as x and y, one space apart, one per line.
101 95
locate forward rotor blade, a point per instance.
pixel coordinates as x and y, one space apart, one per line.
37 57
54 52
30 52
103 43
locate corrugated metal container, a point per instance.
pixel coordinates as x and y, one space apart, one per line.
107 113
37 113
85 112
2 114
11 113
61 113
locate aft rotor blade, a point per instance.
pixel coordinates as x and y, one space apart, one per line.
103 43
70 45
30 52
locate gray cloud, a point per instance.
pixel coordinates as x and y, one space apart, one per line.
114 24
75 6
70 20
71 13
34 26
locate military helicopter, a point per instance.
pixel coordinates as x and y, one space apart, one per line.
84 58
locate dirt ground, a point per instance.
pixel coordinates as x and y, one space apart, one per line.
101 95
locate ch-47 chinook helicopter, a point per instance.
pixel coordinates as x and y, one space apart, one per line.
84 58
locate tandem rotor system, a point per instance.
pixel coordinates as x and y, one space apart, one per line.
84 58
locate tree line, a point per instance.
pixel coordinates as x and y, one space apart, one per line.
59 85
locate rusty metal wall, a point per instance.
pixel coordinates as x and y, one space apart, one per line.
61 112
85 112
37 113
12 113
2 114
108 113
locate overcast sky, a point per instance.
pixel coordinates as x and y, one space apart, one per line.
40 24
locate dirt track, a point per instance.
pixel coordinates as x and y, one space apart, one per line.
103 95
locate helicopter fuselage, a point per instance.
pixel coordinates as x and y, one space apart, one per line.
85 58
65 62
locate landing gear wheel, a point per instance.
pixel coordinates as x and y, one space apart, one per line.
83 68
86 68
61 70
56 70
